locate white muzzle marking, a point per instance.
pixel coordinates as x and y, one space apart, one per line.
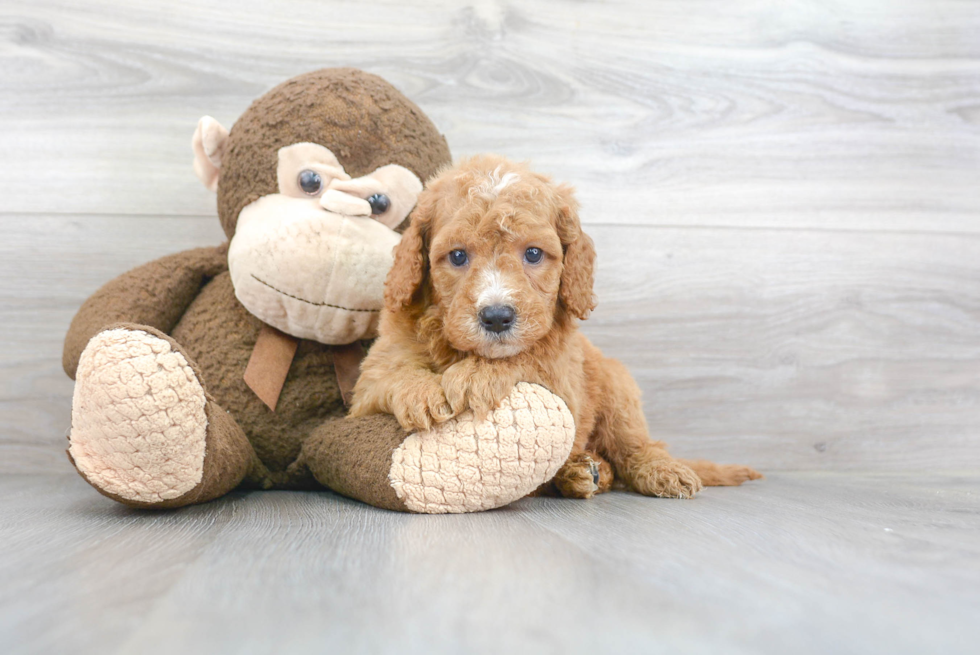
493 291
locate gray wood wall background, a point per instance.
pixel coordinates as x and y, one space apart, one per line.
785 196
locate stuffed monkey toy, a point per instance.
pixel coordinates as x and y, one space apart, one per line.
227 367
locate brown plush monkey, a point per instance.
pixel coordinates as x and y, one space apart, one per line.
227 366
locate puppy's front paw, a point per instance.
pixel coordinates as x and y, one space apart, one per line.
421 406
471 384
456 384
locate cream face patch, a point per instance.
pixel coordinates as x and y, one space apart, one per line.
311 273
311 260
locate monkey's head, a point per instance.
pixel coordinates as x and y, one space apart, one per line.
313 180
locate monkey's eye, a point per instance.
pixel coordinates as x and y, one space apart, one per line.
379 203
458 258
533 255
310 182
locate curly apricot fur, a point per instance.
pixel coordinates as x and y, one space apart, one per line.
495 209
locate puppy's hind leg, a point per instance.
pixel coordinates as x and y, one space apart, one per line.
621 435
583 475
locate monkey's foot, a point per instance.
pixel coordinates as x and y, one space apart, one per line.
464 465
138 418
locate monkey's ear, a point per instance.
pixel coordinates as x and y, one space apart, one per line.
209 143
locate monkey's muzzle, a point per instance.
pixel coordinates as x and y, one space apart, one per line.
312 273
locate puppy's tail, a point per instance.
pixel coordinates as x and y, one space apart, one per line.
721 475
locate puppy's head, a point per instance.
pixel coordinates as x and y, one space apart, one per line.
494 256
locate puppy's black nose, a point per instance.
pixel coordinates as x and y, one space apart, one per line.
497 318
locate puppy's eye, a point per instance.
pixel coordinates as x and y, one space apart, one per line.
458 258
379 203
310 182
533 255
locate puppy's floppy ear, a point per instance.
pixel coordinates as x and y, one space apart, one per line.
577 274
411 257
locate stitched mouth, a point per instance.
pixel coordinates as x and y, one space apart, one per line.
310 302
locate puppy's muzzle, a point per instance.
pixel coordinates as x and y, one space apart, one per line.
497 318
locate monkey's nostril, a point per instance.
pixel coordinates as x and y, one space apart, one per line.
497 318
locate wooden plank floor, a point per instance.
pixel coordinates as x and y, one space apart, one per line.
802 563
784 198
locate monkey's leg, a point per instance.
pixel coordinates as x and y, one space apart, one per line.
461 465
144 430
155 294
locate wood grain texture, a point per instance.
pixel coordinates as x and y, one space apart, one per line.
879 564
810 115
799 349
784 200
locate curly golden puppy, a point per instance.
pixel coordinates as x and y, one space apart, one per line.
486 289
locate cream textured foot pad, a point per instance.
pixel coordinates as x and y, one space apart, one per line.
465 466
138 419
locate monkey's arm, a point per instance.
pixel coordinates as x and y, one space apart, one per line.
155 294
